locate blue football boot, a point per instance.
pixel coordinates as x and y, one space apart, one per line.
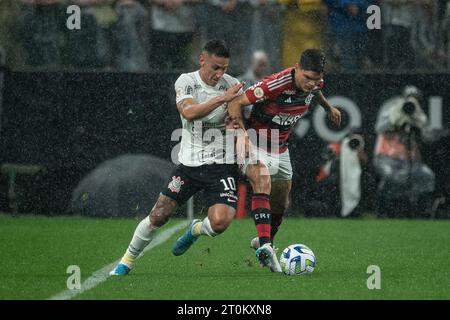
120 270
185 241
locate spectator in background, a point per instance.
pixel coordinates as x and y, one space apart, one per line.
406 183
443 32
446 35
347 32
397 18
2 56
266 30
259 68
40 24
172 33
9 46
229 20
425 34
374 47
132 36
92 45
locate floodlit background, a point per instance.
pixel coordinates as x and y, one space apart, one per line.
87 111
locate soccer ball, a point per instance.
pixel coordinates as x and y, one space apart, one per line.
297 259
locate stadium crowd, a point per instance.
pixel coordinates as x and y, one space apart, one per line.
264 36
155 35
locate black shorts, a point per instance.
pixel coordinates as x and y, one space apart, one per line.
217 180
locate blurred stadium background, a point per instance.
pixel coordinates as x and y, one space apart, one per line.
90 113
73 99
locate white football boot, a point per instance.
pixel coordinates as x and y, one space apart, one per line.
254 244
267 257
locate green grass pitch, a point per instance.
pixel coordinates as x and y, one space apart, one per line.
413 256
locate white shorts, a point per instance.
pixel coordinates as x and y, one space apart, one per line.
279 164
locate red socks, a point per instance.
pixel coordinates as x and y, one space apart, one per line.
262 216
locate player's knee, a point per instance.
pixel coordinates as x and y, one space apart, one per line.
262 184
219 225
259 180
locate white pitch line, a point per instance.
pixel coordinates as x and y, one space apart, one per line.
102 274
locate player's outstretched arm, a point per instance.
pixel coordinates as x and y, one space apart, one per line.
235 112
333 113
235 109
191 110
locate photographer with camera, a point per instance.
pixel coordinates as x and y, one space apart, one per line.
337 189
406 184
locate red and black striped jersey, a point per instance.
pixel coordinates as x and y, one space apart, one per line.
278 104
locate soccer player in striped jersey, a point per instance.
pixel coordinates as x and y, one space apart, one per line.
279 101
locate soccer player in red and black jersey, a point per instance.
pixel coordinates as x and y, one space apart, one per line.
279 101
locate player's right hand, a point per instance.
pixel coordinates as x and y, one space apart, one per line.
233 92
335 115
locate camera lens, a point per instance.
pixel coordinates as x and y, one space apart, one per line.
354 143
409 108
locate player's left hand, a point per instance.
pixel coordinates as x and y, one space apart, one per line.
335 115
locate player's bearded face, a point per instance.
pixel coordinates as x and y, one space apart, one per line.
212 68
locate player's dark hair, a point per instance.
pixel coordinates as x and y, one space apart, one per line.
312 60
217 47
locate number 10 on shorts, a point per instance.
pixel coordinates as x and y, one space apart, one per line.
230 185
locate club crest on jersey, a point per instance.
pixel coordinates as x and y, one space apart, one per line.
258 92
175 184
